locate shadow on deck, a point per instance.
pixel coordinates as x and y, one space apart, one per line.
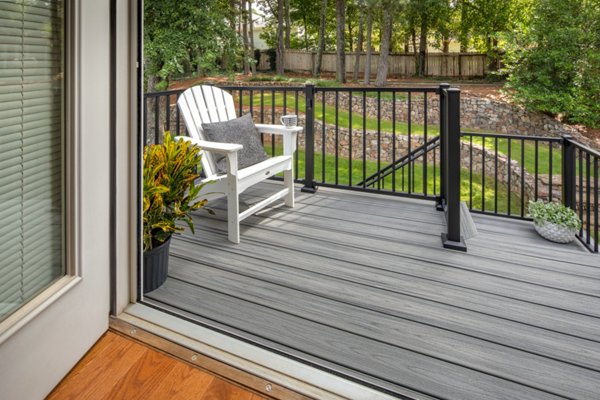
359 285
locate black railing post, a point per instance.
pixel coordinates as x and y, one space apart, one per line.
309 140
568 172
440 200
452 239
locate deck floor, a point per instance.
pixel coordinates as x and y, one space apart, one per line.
359 285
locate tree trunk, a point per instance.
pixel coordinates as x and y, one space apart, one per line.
225 59
251 20
493 55
245 36
305 33
321 46
384 49
279 51
464 33
369 46
288 26
423 45
359 46
152 81
445 44
350 37
340 65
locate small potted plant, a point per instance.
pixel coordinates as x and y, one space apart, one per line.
554 222
169 172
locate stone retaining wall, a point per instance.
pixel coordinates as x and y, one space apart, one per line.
476 113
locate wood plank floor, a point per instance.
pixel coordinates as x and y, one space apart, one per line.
360 285
120 368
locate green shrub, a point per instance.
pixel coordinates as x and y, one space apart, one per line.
553 61
553 213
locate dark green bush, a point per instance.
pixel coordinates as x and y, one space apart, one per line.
553 61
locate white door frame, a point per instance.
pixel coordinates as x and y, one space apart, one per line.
43 340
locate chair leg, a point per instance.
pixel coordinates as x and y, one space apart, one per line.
233 215
288 181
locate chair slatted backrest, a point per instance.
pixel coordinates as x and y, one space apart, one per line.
202 105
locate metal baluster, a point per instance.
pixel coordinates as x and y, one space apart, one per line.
588 196
410 164
425 141
471 171
496 175
337 126
364 139
536 170
509 176
379 141
393 141
550 157
483 174
350 136
324 138
522 178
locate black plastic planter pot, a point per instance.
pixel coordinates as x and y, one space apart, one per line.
156 266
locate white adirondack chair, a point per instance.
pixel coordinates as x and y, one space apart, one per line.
208 104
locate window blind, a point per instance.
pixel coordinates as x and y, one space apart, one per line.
31 149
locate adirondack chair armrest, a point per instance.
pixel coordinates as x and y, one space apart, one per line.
228 149
278 129
213 147
289 135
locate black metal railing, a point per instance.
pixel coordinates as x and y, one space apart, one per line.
361 133
505 171
582 167
407 142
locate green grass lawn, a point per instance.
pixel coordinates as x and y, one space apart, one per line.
344 174
543 153
328 113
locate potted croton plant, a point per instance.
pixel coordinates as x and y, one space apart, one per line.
554 221
170 195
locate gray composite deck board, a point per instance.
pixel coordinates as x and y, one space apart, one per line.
359 284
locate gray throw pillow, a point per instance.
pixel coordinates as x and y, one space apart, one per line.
241 131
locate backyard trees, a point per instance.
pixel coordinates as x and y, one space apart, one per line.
185 36
486 20
553 60
424 16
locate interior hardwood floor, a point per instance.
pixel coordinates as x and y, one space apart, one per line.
120 368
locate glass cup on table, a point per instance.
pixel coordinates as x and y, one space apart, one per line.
289 121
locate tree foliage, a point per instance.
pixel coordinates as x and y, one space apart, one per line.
186 36
553 60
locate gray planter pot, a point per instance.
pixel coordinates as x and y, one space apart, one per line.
156 266
555 233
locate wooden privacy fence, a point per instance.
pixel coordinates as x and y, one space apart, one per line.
461 65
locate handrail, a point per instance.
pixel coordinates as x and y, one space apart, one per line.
401 162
